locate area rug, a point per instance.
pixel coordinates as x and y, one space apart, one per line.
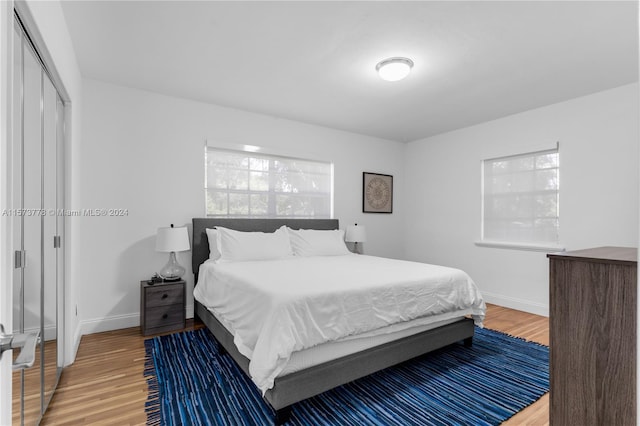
190 383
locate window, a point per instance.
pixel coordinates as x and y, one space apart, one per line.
248 184
521 198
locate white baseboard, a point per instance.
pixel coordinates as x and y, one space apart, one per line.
116 322
98 325
518 304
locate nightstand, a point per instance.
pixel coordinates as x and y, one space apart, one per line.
162 306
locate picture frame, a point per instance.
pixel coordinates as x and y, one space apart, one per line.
377 193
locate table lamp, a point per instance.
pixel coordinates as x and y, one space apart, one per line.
356 234
172 240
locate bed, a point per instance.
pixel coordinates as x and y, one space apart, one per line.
310 371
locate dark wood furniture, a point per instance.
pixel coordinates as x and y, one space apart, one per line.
592 332
306 383
162 306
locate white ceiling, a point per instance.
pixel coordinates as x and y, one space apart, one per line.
315 61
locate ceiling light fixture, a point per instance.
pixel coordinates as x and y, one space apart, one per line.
394 69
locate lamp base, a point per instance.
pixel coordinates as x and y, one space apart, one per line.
357 248
172 271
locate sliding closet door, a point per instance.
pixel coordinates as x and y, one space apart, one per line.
38 197
49 343
18 295
32 224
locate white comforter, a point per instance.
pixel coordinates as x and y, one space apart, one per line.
277 307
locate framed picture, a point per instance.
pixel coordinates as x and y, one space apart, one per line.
377 193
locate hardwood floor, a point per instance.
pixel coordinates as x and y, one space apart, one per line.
105 385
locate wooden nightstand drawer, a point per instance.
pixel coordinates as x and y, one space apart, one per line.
162 307
162 295
163 316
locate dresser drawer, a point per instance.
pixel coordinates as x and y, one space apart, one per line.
164 316
164 295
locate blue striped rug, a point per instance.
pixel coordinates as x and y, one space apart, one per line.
191 383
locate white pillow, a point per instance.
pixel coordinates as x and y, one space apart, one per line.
237 246
212 236
313 242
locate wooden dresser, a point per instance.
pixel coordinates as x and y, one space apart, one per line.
592 332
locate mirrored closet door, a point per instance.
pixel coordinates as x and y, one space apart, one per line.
38 197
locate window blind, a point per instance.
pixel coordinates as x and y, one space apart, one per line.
521 198
247 184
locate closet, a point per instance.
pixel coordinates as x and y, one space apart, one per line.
38 222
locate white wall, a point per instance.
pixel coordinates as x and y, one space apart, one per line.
598 137
144 152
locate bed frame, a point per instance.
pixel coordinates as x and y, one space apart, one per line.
304 384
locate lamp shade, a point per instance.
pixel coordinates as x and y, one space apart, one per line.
172 239
356 234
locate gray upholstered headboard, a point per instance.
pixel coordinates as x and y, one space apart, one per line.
200 246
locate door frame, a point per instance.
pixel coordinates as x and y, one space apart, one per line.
6 223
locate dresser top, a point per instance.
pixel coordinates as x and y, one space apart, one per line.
627 255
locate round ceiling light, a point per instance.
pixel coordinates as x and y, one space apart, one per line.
394 69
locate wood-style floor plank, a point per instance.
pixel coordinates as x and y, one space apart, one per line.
530 327
105 385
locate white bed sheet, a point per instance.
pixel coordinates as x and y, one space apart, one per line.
329 351
279 307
